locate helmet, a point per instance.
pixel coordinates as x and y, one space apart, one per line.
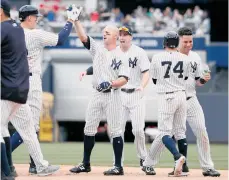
28 10
171 40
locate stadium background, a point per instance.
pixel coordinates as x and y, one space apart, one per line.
66 98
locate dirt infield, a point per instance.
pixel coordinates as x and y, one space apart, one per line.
131 173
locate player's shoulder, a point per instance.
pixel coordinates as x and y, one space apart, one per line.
194 54
137 48
8 25
194 57
159 55
34 31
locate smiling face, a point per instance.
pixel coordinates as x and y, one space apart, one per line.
186 43
125 39
110 35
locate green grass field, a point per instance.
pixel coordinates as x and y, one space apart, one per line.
71 153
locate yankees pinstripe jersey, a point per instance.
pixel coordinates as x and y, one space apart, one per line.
138 63
196 71
170 70
107 65
36 40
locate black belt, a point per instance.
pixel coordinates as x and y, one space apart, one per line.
30 74
169 92
128 90
172 92
108 90
188 98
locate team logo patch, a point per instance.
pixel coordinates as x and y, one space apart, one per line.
133 63
193 66
115 65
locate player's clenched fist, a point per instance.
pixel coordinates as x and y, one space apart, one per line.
73 12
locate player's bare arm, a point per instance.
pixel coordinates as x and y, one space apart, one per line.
122 80
145 80
80 31
73 14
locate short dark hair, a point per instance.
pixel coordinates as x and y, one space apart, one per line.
185 31
5 5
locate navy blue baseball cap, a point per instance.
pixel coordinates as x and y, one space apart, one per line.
5 5
126 29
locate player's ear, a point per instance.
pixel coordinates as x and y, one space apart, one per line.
116 37
29 18
1 12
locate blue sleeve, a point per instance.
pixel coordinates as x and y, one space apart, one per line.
64 33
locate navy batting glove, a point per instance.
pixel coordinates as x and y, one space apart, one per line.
103 86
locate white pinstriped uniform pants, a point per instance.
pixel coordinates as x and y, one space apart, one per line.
26 122
172 112
100 103
133 104
196 120
8 110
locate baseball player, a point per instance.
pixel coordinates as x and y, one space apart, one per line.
195 116
132 94
36 40
169 71
110 72
14 80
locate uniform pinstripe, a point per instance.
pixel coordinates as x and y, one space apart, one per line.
195 118
8 110
170 70
26 120
134 103
107 66
36 40
195 115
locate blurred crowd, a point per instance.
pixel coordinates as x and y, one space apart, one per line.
142 20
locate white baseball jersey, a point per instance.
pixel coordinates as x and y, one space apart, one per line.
138 62
195 118
134 103
36 40
107 66
170 70
197 70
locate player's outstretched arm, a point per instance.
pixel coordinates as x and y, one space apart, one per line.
52 39
65 32
74 14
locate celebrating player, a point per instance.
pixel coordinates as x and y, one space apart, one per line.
169 71
36 40
110 72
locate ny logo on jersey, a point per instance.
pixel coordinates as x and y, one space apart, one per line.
193 66
133 63
115 65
